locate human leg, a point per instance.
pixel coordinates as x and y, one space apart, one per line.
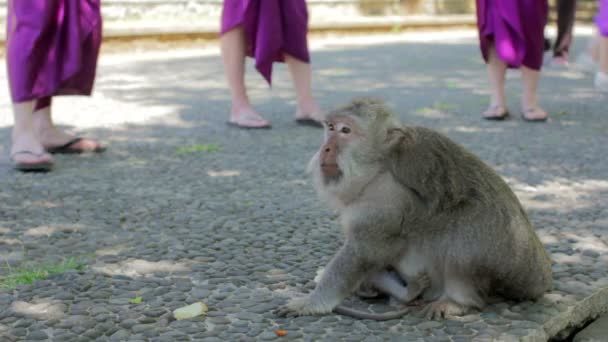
27 152
307 108
601 78
529 102
566 10
496 74
233 47
55 140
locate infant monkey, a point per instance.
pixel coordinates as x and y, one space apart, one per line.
387 282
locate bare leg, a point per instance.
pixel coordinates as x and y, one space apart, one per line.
594 47
301 75
25 138
496 73
531 110
603 54
51 136
233 46
601 78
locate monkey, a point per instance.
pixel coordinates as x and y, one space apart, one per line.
389 283
412 199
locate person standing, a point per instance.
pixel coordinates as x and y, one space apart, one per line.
601 20
511 36
52 49
566 14
269 31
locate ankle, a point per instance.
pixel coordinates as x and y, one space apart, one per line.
308 107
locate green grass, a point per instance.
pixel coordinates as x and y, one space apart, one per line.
29 274
451 84
198 148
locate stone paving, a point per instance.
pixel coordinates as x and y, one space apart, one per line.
239 228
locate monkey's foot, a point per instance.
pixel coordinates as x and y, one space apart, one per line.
417 286
303 306
443 308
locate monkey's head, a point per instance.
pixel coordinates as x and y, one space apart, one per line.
355 144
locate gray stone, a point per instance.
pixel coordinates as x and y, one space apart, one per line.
597 331
37 335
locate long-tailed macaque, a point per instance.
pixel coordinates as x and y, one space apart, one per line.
413 200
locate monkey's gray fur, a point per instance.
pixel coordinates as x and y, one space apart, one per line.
412 199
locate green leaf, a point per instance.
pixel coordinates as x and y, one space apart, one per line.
135 300
198 148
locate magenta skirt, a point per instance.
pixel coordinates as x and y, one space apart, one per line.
517 29
601 20
272 28
52 48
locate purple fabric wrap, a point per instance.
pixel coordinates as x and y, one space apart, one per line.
516 27
52 48
601 20
272 28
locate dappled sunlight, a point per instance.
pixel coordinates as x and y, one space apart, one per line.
547 237
114 250
74 111
334 72
40 231
224 173
558 194
587 242
565 259
11 242
140 267
583 93
41 309
567 74
473 129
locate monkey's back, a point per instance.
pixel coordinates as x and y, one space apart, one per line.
476 212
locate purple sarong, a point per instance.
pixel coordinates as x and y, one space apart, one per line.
516 27
601 20
272 28
52 48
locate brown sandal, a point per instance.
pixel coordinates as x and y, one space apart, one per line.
496 113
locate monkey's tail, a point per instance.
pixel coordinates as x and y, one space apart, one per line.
387 316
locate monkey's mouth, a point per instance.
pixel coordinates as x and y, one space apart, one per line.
331 172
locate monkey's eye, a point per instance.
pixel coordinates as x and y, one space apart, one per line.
345 130
330 126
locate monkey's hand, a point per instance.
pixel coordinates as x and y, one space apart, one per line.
417 286
303 306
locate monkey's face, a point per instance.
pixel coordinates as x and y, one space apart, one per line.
340 133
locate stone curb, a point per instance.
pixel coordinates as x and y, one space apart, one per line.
206 29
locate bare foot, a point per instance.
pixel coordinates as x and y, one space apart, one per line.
534 114
496 112
55 140
27 150
247 117
310 115
310 111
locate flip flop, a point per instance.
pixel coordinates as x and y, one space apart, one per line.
31 166
71 148
523 116
240 123
309 122
502 116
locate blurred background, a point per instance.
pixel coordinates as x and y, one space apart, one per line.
131 18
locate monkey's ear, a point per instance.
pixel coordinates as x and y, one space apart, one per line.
398 138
